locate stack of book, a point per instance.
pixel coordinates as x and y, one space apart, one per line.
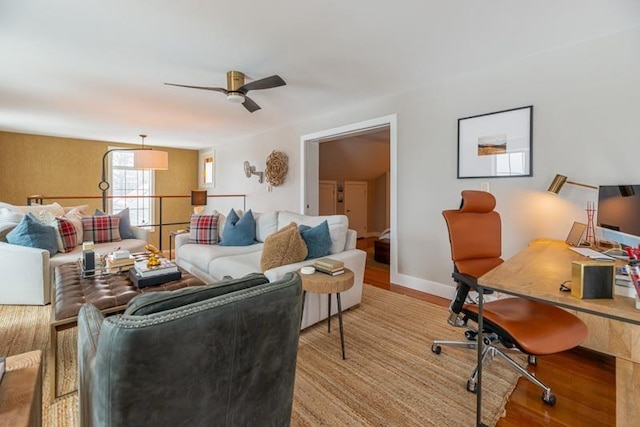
329 266
143 275
119 264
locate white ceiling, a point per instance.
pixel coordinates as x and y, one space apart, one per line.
95 69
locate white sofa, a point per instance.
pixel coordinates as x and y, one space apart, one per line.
212 263
26 274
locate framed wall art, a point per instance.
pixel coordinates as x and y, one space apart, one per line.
496 145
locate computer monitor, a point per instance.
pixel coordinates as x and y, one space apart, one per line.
619 208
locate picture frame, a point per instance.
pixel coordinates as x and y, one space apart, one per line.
496 145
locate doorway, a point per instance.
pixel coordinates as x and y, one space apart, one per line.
310 164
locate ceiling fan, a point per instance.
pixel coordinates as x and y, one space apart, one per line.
236 90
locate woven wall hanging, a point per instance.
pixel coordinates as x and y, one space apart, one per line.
277 166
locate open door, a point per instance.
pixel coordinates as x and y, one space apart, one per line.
327 197
355 205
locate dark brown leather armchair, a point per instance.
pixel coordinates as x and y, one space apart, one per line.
216 355
516 324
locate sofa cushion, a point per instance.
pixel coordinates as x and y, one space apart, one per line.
201 256
101 228
283 247
203 229
317 239
34 234
5 228
338 226
124 227
67 233
239 231
54 208
8 215
266 224
75 216
234 265
155 302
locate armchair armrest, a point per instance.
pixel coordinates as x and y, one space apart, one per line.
89 324
25 275
181 239
140 233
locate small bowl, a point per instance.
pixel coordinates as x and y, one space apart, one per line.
307 270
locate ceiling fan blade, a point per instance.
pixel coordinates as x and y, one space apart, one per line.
266 83
250 104
217 89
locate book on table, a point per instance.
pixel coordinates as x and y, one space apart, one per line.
165 267
330 273
120 264
328 264
158 279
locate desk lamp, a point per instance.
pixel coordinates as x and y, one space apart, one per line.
198 201
560 180
556 186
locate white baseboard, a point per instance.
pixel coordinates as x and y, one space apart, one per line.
434 288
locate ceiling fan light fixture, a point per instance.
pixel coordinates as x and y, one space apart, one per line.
235 97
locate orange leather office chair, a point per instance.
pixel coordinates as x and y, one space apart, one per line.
516 324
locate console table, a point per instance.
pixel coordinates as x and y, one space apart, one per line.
21 391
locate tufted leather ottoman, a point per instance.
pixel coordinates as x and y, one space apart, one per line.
109 293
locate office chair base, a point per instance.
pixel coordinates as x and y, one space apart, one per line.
489 352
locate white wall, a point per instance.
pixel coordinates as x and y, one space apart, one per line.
586 102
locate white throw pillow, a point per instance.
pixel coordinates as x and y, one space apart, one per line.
266 224
54 208
7 215
338 226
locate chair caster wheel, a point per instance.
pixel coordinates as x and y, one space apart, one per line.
472 387
549 399
436 349
470 335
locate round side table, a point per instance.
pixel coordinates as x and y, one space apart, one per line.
321 283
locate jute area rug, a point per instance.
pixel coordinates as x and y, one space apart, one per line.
390 377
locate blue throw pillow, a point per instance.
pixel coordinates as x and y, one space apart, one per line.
318 239
125 223
239 231
34 234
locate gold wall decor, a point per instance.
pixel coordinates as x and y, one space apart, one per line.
277 166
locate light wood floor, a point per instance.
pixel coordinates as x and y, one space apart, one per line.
582 380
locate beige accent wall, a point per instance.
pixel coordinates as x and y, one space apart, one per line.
53 166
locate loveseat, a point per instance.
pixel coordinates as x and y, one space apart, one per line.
26 273
215 262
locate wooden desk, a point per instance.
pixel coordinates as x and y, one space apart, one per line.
614 324
21 391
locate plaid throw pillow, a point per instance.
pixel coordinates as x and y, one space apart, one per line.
67 234
101 229
203 229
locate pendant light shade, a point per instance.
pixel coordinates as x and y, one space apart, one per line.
150 159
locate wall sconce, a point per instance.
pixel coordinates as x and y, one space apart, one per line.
143 158
560 180
251 170
198 201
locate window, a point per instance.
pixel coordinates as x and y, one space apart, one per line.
127 181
